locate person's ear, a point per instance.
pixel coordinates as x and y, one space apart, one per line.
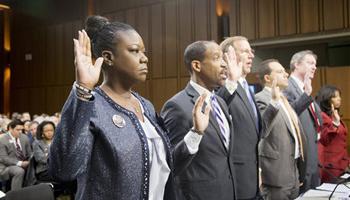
108 57
196 66
267 78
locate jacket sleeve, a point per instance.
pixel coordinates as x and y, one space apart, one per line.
268 114
178 126
5 158
71 147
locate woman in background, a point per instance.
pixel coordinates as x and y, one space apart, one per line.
332 146
41 146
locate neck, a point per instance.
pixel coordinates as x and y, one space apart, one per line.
202 83
117 87
298 76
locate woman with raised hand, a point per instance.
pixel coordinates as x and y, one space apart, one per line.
332 146
110 139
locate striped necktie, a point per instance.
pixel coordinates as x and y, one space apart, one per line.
19 152
219 116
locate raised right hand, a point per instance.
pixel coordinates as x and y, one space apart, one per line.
307 84
200 119
275 91
87 74
335 114
234 67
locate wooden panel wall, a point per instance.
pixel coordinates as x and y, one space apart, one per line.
167 27
260 19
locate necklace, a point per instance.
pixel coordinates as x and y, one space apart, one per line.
126 100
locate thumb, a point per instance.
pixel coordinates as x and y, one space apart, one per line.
98 63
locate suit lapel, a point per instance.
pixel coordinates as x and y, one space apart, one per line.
194 96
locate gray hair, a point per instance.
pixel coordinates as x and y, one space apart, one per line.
299 56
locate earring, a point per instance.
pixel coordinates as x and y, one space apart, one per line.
110 64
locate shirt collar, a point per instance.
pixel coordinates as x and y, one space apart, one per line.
12 138
201 90
241 80
268 88
298 81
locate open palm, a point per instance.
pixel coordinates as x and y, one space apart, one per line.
86 73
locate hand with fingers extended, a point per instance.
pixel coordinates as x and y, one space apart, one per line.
335 115
307 84
86 73
275 91
200 119
234 67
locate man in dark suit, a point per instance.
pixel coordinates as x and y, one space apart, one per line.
282 143
303 67
203 162
15 150
245 118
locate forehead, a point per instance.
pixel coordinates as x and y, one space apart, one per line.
309 57
242 44
130 37
18 127
275 66
47 126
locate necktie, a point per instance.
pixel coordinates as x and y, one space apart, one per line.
19 152
295 123
251 101
314 116
219 116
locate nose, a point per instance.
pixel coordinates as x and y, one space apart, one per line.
143 59
223 64
251 54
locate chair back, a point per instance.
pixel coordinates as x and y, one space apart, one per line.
42 191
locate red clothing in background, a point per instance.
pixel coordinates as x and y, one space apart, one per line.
332 148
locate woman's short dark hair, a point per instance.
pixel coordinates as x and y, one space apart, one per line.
324 96
40 129
104 34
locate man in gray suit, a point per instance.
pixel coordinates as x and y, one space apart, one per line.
303 67
207 166
282 143
246 118
15 150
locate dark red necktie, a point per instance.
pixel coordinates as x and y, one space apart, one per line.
314 116
19 152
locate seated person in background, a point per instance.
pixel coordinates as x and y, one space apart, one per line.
41 146
15 150
332 148
32 131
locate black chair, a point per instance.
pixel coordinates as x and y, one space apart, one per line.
42 191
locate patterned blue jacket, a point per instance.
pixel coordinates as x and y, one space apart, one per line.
108 162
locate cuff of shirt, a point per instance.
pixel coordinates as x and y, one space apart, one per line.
192 141
19 163
275 104
231 86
